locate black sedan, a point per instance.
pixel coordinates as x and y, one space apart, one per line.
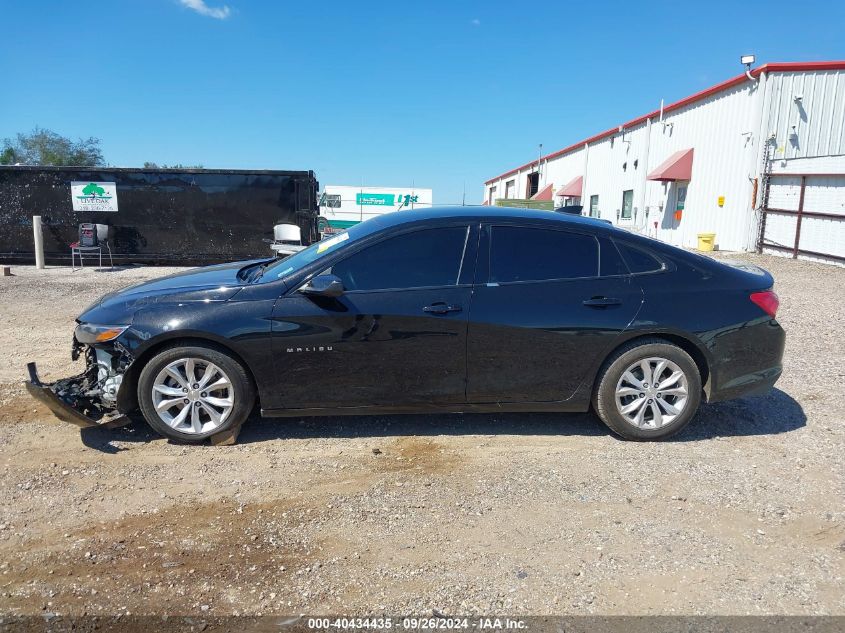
442 310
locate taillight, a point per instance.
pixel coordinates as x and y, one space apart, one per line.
767 300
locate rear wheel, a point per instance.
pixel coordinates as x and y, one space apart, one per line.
192 393
648 390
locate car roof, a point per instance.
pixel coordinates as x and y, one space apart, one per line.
388 221
483 213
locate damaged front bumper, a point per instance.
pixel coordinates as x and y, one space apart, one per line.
78 399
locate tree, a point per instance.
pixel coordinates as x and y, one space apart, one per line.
9 156
45 147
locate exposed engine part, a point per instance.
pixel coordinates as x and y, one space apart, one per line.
94 392
72 401
108 380
83 391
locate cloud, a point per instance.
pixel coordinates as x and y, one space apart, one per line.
218 13
475 22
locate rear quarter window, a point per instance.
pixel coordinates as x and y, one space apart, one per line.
610 261
639 260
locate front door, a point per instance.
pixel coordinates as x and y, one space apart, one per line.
673 217
397 336
553 305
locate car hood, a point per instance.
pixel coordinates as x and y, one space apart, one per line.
208 283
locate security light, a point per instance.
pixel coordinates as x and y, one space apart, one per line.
748 60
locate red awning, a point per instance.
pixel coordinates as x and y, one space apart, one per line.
573 188
544 194
677 167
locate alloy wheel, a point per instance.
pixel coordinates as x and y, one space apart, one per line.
193 396
652 393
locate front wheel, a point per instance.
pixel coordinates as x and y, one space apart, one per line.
191 393
648 390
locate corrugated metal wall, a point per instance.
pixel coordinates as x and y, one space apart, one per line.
614 166
719 130
728 132
561 171
805 115
714 128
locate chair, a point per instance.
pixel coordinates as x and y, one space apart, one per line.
92 238
287 239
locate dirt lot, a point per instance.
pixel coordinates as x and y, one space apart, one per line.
530 514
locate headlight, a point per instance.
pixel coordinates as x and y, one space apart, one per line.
88 333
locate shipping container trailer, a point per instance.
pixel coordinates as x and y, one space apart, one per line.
155 216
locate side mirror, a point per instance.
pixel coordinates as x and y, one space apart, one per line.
323 286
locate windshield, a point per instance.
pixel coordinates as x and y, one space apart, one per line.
288 265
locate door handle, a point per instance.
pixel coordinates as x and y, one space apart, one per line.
602 302
441 308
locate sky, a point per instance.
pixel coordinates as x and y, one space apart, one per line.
439 94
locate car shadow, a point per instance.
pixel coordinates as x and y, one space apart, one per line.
771 414
101 439
423 425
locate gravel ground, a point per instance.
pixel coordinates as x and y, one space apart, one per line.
528 514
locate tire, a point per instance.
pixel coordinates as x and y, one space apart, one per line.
622 379
222 400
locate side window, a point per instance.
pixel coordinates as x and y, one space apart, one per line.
431 257
330 200
610 262
534 254
639 260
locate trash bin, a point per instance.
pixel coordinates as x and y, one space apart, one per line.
706 241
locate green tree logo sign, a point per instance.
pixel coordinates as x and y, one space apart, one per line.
93 190
93 196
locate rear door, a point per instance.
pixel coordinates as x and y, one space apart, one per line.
547 306
396 337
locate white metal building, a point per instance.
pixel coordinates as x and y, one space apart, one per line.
716 162
345 206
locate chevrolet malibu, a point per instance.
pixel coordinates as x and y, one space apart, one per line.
442 310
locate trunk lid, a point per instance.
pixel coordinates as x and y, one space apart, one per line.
749 276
